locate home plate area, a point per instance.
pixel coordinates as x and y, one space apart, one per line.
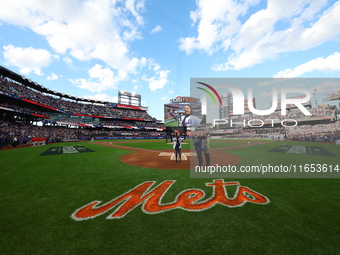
166 159
173 156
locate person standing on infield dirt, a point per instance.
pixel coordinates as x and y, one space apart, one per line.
206 149
177 146
199 149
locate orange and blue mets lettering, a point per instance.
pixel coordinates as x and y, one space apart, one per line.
190 200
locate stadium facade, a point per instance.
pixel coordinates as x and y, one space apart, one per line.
28 109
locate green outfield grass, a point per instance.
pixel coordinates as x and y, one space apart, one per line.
171 123
262 154
40 193
224 144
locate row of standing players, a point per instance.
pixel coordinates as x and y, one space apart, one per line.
201 144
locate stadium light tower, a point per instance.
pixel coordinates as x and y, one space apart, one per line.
129 98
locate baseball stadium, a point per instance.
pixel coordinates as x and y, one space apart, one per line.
81 176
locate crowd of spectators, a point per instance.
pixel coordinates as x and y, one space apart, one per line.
319 111
21 109
68 106
314 132
267 131
134 123
117 133
334 96
304 132
273 116
99 122
23 133
310 132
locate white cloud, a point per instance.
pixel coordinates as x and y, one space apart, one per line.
85 30
136 87
102 97
217 23
155 76
156 30
100 79
259 40
135 7
52 77
327 88
27 59
68 61
159 80
331 63
280 27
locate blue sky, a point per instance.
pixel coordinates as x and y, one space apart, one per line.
94 48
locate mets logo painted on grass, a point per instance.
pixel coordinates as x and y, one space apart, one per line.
65 150
189 200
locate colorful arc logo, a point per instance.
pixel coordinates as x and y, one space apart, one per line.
210 94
